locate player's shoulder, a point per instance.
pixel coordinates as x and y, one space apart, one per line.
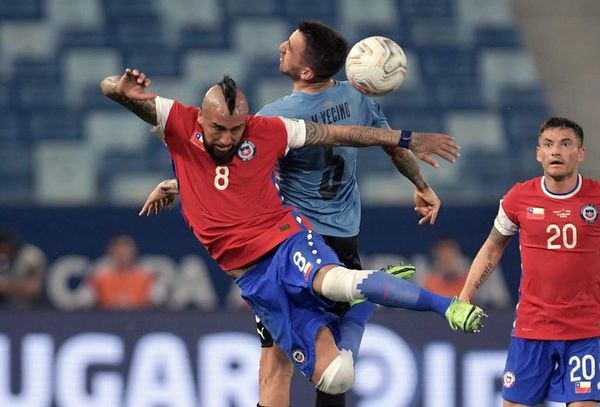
591 185
261 124
281 106
180 109
528 186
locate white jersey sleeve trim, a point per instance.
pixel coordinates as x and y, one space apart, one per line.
503 224
163 108
296 133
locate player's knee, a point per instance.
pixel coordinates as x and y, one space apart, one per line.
341 284
338 377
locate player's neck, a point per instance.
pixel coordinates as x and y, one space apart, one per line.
301 86
561 185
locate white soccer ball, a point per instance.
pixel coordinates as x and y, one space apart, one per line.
376 66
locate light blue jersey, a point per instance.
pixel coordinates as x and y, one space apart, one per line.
321 181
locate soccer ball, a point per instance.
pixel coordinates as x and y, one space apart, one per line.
376 66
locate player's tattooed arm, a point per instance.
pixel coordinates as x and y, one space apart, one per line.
129 91
356 136
485 263
427 203
406 164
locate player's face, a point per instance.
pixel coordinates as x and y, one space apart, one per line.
559 152
222 133
290 56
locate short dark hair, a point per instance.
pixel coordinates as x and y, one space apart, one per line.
563 123
325 51
229 88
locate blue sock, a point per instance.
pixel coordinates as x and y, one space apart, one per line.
385 289
352 326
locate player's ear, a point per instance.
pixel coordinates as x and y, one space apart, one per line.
199 117
581 155
307 74
537 154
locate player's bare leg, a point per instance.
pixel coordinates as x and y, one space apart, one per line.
275 377
332 373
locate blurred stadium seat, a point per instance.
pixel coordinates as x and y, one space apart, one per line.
467 75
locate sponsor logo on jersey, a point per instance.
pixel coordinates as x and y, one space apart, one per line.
198 140
508 379
583 387
247 150
535 213
589 213
298 356
562 213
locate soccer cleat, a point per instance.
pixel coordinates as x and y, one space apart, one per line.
402 271
464 316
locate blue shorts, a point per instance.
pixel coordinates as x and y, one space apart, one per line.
561 371
279 290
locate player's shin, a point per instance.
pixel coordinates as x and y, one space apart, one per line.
341 284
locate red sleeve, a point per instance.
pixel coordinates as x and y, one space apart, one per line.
509 204
181 121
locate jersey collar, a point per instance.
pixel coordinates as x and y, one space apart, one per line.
566 194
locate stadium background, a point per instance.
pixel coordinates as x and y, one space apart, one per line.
75 167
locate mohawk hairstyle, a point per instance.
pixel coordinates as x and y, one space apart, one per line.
229 88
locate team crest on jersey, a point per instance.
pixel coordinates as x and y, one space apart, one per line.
589 213
298 356
508 379
247 150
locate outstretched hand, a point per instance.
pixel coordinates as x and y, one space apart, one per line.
424 145
163 196
133 85
427 205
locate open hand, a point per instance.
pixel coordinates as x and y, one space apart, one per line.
424 145
133 85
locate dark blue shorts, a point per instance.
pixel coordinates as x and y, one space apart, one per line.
279 290
561 371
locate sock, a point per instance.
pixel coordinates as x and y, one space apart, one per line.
330 400
352 326
385 289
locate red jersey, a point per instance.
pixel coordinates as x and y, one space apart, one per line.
559 295
234 210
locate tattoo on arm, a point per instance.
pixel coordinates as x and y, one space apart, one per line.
406 164
487 271
315 134
356 136
144 109
499 241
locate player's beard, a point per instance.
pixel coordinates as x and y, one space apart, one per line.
221 157
293 72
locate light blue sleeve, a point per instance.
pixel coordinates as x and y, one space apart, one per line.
379 119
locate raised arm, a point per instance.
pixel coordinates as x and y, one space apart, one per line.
422 144
129 90
484 263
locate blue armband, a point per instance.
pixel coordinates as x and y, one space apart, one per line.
405 136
